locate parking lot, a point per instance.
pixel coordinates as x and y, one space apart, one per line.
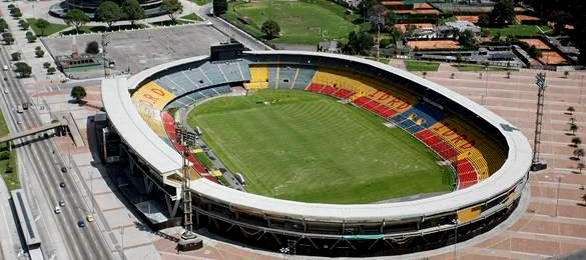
137 50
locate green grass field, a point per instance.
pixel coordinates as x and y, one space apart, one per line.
308 147
421 65
10 177
53 27
301 22
519 30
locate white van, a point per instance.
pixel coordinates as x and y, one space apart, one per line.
5 68
240 178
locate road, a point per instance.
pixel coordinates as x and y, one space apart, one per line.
43 159
231 30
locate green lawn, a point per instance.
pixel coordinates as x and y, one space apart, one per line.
192 16
201 2
307 147
53 27
301 22
519 30
470 67
421 65
10 178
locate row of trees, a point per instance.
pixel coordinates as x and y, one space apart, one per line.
562 13
110 12
576 141
503 13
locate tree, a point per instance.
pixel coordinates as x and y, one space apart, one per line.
30 37
358 43
15 56
534 52
23 69
271 29
483 20
466 39
92 47
39 53
581 166
109 12
4 156
220 6
573 128
7 38
172 7
366 5
576 141
579 153
132 11
42 24
566 74
502 13
23 24
77 18
571 110
46 65
51 70
78 93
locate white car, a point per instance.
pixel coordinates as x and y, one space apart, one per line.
57 210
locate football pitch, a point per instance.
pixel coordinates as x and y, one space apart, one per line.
303 146
301 22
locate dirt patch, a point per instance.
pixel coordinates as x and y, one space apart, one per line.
435 44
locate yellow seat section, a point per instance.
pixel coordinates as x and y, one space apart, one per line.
259 77
153 95
485 156
152 117
364 86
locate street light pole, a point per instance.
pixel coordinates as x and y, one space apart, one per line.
455 221
558 196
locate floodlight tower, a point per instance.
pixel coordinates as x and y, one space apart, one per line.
105 43
538 164
188 241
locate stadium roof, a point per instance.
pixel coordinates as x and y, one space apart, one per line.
151 148
134 130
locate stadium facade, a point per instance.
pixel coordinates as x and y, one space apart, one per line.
489 156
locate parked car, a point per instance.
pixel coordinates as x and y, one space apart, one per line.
57 210
62 184
64 169
89 218
81 223
61 203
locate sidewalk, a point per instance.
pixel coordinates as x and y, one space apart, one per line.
9 241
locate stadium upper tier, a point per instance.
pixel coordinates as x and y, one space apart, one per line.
489 156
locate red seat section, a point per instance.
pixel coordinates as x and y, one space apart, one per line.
328 90
344 93
361 101
315 87
370 105
169 125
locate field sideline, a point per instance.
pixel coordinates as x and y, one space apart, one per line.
307 147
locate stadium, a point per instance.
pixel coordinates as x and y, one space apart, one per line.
487 158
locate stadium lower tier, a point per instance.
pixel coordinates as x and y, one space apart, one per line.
471 153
